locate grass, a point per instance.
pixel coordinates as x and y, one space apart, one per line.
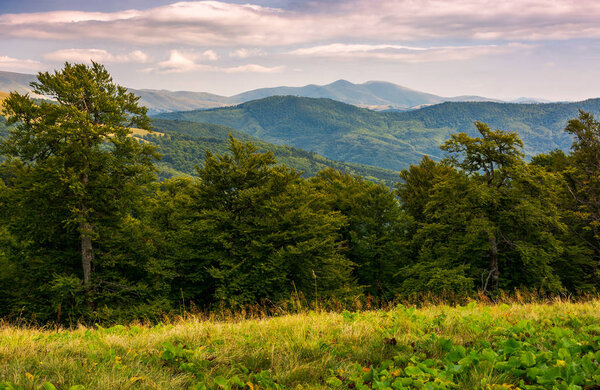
135 132
3 95
478 346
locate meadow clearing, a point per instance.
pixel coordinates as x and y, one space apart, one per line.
549 345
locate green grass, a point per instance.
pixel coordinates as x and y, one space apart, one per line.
478 346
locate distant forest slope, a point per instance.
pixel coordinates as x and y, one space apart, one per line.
392 140
184 144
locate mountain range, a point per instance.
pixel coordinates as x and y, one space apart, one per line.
376 95
311 133
391 140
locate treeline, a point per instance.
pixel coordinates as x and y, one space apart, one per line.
88 234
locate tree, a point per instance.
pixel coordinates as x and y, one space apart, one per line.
494 153
491 153
446 242
416 184
375 228
263 231
482 217
583 177
76 169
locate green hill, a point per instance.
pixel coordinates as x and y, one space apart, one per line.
183 145
391 140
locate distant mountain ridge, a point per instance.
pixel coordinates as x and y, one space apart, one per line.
391 140
376 95
19 82
371 94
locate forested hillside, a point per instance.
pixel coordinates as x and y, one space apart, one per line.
186 143
183 146
391 140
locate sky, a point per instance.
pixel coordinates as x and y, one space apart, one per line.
505 49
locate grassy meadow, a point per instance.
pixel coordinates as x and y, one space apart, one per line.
552 345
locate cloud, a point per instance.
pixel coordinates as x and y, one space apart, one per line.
408 54
217 23
177 63
210 55
245 53
17 65
98 55
252 68
181 62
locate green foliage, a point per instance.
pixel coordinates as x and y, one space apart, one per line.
494 223
374 231
495 150
73 176
583 177
264 231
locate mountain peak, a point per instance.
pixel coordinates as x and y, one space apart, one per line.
341 82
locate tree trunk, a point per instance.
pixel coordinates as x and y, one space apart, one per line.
494 270
85 229
87 252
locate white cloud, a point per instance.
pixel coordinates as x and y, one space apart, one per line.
210 55
409 54
177 63
181 62
245 53
98 55
335 49
18 65
216 23
251 68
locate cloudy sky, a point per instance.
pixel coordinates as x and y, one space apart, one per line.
503 49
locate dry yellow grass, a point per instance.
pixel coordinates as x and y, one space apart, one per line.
3 95
141 132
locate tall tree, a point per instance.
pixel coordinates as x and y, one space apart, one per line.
583 177
494 153
77 169
482 216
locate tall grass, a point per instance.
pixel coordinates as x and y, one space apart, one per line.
297 350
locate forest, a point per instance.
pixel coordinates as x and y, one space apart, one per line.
89 234
392 140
